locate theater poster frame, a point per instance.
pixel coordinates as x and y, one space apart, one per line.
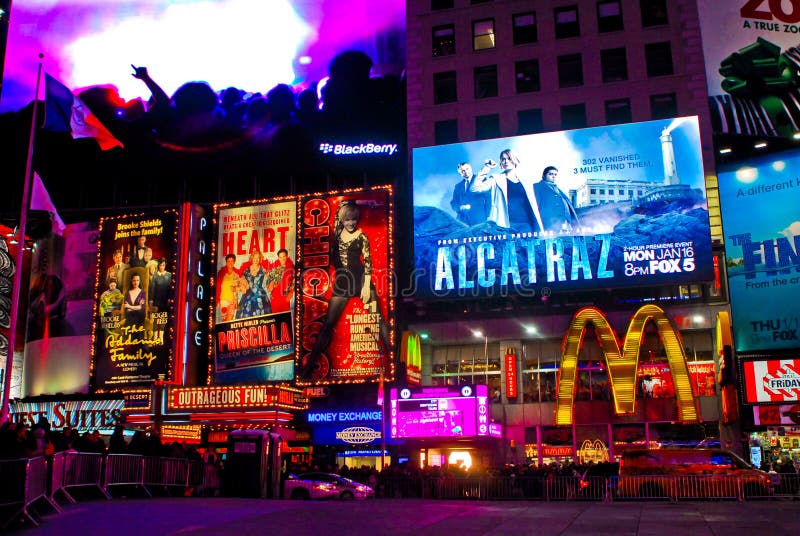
134 347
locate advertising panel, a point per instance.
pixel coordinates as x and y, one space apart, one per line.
255 285
752 63
774 381
62 307
133 332
234 398
347 298
777 414
354 427
452 411
82 414
761 249
602 207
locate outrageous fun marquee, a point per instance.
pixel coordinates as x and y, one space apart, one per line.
625 206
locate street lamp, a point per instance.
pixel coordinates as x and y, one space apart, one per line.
381 395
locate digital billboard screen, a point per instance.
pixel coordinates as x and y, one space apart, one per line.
761 223
254 299
451 411
347 306
91 42
614 206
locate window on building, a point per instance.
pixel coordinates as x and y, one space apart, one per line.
602 191
614 64
445 132
530 121
658 57
593 191
620 192
524 28
570 70
485 81
482 34
526 75
567 22
466 364
618 111
444 87
573 116
444 40
663 106
487 126
436 5
654 12
609 16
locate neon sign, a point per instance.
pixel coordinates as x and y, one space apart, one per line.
622 364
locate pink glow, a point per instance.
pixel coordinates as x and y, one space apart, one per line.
250 44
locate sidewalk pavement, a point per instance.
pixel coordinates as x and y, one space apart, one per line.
417 517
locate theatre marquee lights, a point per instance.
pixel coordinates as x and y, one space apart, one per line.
622 364
225 398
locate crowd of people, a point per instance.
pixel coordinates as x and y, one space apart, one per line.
512 200
257 140
21 440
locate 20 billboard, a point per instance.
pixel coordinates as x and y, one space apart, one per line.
758 202
752 65
629 210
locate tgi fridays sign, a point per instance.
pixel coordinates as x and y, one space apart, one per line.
771 381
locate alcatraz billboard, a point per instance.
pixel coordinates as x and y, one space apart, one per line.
761 249
602 207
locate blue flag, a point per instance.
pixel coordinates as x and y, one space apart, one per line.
58 101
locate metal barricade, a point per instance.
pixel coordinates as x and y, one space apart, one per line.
645 487
83 469
58 467
125 470
786 485
169 472
13 475
706 487
593 488
562 488
36 483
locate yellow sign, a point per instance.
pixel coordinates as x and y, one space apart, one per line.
593 451
622 364
411 355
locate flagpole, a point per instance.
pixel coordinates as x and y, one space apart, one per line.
20 257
